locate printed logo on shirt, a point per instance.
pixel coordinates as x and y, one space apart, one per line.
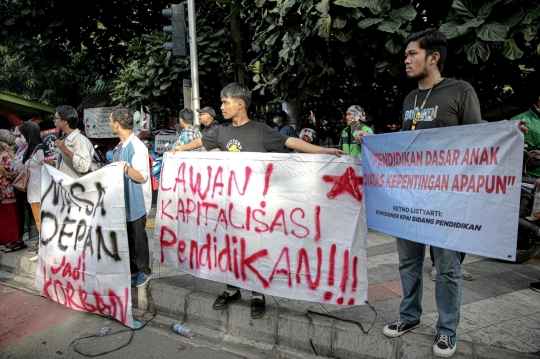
428 114
234 146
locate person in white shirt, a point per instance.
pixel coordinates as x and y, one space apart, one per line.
74 151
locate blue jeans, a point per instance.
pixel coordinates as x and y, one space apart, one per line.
447 287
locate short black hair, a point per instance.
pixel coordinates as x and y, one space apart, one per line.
187 115
432 41
237 91
124 116
69 114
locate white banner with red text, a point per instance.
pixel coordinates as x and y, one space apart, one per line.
456 188
286 225
83 249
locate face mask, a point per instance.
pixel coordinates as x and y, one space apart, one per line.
23 139
276 120
19 142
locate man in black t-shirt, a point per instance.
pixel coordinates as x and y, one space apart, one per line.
246 136
437 102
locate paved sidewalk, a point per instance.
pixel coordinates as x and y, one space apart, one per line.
500 315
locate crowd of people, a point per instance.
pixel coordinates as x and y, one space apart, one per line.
437 102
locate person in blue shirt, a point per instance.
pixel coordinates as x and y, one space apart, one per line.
133 154
280 120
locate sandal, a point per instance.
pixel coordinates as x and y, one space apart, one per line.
34 248
15 247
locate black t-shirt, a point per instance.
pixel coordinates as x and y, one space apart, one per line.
451 103
250 137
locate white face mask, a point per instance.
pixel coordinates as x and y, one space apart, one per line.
276 120
23 139
19 142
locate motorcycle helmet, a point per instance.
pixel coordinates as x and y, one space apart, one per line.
309 135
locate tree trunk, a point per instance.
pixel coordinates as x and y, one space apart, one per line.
237 47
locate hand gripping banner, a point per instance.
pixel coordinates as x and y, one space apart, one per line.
286 225
83 250
456 187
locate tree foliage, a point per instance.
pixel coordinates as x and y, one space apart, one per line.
153 77
351 50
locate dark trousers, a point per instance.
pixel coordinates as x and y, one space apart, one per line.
139 254
232 287
462 255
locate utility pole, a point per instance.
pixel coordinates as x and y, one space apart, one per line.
195 100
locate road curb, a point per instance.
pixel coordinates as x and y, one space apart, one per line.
280 327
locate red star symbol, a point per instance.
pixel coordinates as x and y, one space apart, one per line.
348 182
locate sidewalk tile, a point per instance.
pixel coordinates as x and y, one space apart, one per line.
378 292
496 337
470 322
383 259
529 271
383 274
380 249
427 324
531 293
482 267
471 296
524 328
490 311
511 280
395 287
487 287
518 302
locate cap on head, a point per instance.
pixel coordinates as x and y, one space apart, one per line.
282 114
208 110
358 112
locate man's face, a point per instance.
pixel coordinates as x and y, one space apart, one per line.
350 118
58 122
415 61
230 107
205 118
113 125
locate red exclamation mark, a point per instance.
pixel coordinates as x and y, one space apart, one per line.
344 275
269 169
332 265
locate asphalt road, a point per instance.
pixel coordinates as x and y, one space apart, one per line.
36 327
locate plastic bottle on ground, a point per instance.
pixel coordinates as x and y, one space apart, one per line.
182 329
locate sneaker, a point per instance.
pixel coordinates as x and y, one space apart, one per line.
140 280
444 346
535 286
433 274
398 328
465 275
34 258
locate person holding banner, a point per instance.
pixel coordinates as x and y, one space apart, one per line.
188 132
75 151
133 154
437 102
244 135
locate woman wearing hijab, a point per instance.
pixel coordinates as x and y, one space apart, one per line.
10 235
26 223
31 134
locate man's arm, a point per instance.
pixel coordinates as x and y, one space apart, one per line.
196 143
302 146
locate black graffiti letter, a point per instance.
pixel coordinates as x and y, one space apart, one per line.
101 241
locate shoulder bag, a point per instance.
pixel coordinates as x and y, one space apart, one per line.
22 178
